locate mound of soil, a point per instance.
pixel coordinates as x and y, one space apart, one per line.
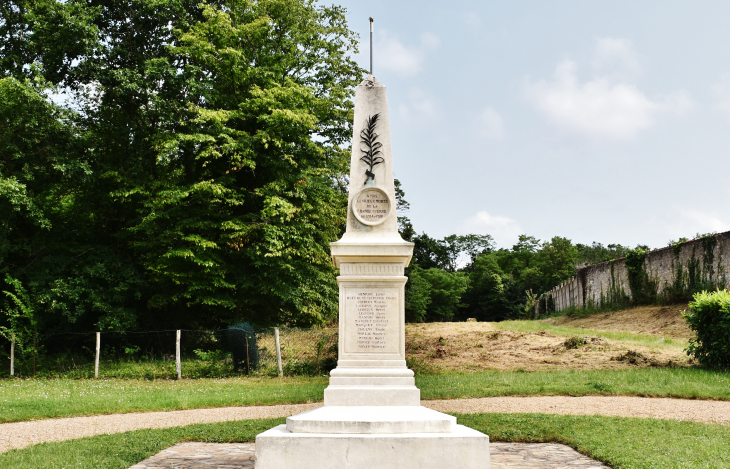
635 358
659 321
474 346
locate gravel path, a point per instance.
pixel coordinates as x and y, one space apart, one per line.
611 406
22 434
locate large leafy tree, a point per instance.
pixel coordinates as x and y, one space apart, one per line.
43 164
214 143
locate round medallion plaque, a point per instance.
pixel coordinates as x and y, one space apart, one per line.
371 206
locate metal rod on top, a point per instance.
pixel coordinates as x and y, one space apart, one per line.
371 45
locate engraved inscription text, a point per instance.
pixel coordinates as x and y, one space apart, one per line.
372 206
374 319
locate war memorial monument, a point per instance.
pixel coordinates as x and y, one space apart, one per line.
372 415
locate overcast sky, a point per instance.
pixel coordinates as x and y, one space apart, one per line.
602 121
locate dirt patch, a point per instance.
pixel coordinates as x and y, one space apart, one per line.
659 321
473 346
634 358
581 341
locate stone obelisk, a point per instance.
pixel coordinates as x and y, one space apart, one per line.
372 414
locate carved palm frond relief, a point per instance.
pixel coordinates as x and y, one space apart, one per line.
369 138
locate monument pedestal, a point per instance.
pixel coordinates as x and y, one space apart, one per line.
372 417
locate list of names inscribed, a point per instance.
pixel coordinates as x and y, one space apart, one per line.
373 319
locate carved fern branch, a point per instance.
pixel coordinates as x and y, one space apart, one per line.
372 150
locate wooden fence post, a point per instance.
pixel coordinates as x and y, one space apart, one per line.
35 340
177 356
12 356
98 350
248 362
278 351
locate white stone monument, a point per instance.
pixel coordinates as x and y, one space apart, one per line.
372 415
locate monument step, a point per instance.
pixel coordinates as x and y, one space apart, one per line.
371 419
360 371
464 448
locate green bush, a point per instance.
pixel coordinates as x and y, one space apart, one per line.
709 317
574 342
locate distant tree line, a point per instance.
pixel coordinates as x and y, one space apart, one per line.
466 276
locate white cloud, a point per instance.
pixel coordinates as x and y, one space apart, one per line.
418 107
722 91
504 230
491 124
607 107
392 55
616 58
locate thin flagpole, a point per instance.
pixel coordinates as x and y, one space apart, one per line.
371 45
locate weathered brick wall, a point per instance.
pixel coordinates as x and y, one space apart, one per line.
595 284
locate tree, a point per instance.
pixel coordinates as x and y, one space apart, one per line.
492 295
463 250
430 253
20 317
597 253
556 260
450 253
433 294
44 237
446 289
501 282
418 295
405 227
33 145
213 137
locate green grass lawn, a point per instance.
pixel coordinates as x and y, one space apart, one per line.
691 383
36 399
627 338
622 443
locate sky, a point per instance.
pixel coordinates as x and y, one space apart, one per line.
605 121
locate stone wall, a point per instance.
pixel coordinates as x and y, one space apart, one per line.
681 266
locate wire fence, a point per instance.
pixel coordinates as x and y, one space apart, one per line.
169 354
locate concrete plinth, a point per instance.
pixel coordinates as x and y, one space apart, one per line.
372 395
463 448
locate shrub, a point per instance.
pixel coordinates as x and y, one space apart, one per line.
574 342
709 317
643 287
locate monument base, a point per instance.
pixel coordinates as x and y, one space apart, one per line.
464 448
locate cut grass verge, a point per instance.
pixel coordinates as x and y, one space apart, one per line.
689 383
37 399
628 338
623 443
575 312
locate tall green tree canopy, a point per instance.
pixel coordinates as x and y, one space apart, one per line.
207 174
